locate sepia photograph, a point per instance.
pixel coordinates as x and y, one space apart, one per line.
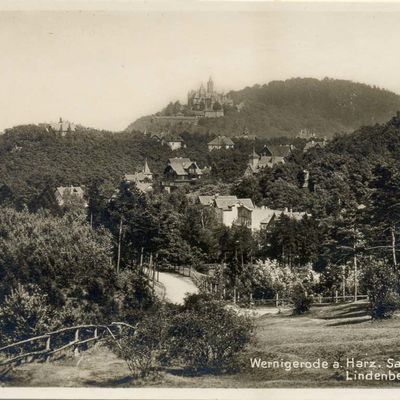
200 195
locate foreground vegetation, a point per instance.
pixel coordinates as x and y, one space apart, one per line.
332 333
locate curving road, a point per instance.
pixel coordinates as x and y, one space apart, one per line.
176 287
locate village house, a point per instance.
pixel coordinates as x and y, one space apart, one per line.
172 140
233 211
143 179
262 217
270 156
70 195
226 208
221 142
62 127
179 172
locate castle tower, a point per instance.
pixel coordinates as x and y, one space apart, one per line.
210 86
202 91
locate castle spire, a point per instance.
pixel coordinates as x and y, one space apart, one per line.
210 85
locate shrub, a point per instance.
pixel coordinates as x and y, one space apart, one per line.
380 281
301 302
145 348
206 335
24 313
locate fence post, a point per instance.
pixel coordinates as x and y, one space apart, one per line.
320 299
76 351
48 347
234 295
336 296
277 300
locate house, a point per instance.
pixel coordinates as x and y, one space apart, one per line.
314 144
226 208
70 195
173 141
62 127
274 215
143 179
180 171
270 156
221 142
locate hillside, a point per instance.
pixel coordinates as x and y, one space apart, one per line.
283 108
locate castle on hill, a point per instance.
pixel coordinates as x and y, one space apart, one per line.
207 102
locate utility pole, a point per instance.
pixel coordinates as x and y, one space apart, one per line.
119 245
392 230
355 266
344 282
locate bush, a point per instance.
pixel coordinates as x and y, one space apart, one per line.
206 335
380 281
145 348
301 302
24 313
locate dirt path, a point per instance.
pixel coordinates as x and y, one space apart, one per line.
176 287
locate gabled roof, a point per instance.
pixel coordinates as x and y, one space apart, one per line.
278 150
225 202
206 200
180 165
221 141
70 190
246 203
313 143
172 137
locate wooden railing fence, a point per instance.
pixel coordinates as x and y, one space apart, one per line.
47 345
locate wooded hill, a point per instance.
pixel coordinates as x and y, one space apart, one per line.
283 108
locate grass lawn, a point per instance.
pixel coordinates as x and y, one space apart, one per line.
331 333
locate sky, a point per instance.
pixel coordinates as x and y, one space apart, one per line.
106 68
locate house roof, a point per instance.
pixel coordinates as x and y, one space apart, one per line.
221 141
206 200
278 150
172 137
144 186
246 203
313 143
225 202
180 165
70 190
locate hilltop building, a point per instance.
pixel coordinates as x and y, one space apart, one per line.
221 142
207 102
62 127
306 134
179 172
143 179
